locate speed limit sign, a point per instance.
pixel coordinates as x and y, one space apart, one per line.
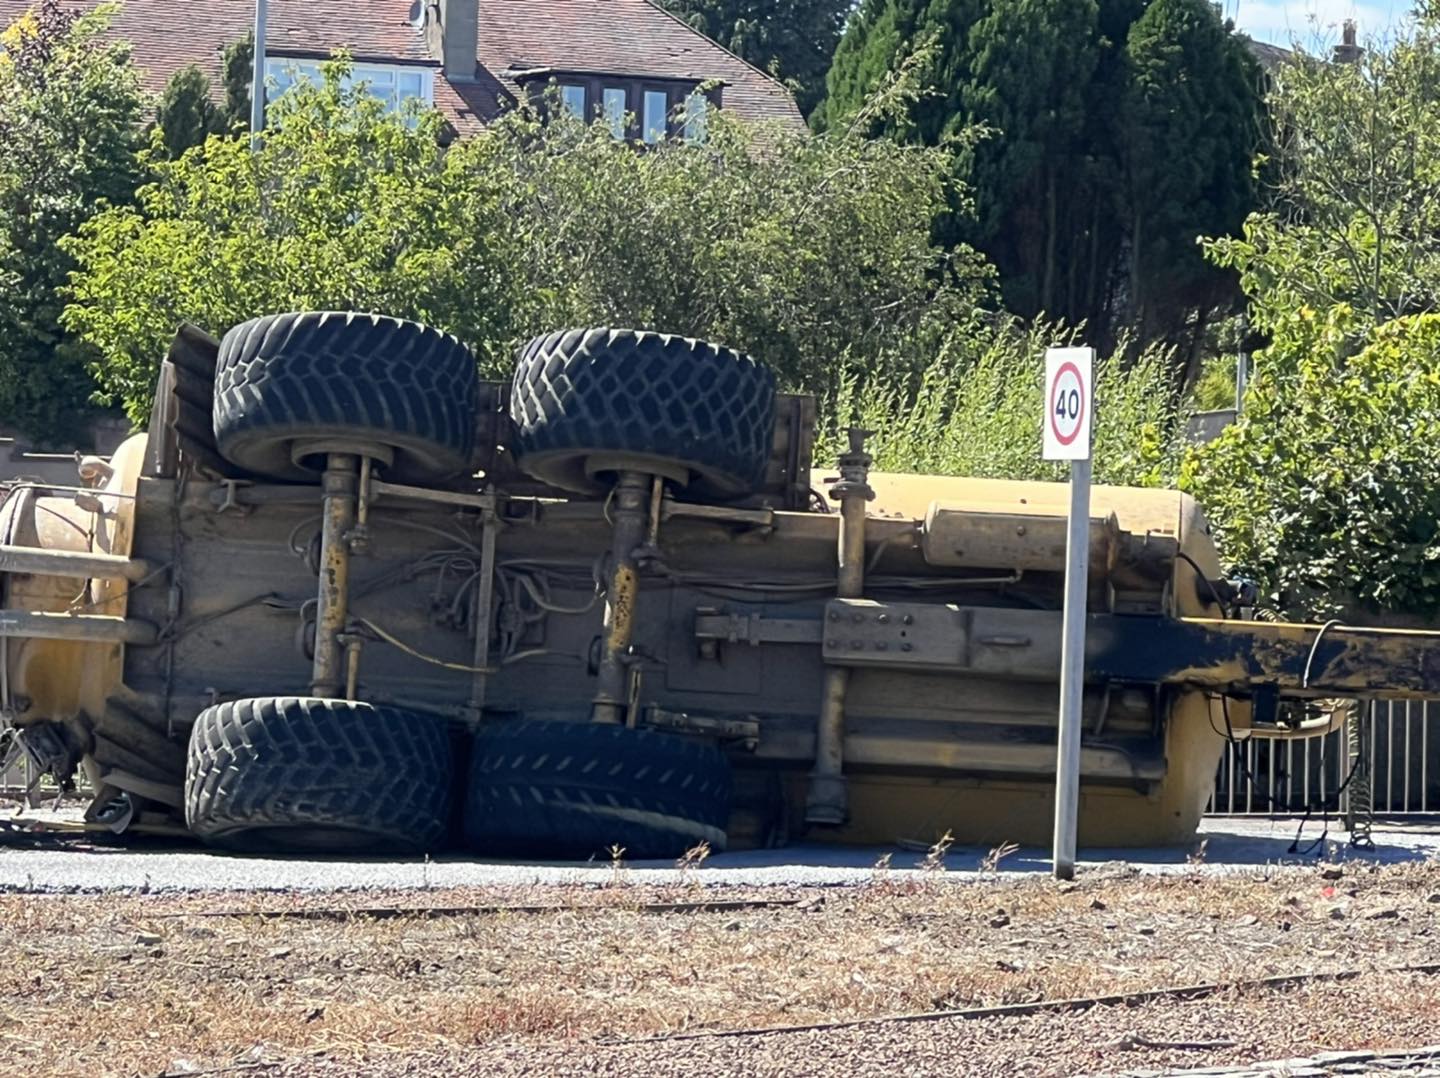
1068 403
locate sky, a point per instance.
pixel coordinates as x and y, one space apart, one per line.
1282 21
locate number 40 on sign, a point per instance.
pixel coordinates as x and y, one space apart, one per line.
1068 403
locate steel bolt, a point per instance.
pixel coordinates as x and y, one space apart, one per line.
832 644
832 616
859 618
883 619
907 647
880 645
908 619
858 645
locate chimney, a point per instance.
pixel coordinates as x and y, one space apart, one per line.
1347 52
454 33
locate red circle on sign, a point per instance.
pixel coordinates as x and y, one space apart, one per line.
1080 416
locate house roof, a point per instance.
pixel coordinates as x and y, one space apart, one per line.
621 37
1269 56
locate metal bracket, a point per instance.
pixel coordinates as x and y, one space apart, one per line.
746 730
762 519
231 502
755 629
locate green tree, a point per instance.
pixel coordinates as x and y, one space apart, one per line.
1052 84
1326 489
70 108
1191 123
237 71
1031 63
1354 214
813 252
793 40
186 115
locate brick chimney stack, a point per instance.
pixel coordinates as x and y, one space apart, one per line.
453 33
1347 52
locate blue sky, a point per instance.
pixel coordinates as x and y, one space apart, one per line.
1281 21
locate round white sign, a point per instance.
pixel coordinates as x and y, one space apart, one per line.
1067 404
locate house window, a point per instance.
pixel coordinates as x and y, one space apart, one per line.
391 84
697 110
573 98
656 115
646 109
613 105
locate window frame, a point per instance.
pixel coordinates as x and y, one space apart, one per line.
583 112
276 67
677 92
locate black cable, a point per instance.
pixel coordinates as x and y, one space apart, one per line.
1331 800
1238 757
1210 584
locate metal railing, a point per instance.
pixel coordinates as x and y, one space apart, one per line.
1262 777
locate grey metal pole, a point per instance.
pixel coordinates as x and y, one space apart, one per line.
257 76
1242 369
1072 670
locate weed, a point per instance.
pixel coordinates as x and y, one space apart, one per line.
619 872
934 861
1196 857
690 861
990 863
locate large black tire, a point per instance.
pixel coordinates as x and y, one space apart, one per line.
359 378
598 393
318 776
574 790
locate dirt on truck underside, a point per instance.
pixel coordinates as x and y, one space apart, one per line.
630 979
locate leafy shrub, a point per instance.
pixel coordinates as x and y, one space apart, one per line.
69 112
814 253
1327 490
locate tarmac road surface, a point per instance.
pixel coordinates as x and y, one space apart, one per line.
68 863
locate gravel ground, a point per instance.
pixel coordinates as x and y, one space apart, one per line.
71 864
1284 1027
638 977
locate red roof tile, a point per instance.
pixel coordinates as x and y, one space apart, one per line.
622 37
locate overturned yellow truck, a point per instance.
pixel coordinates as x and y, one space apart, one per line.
344 596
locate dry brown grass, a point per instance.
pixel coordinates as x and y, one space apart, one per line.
101 985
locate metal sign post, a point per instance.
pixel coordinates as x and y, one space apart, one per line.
1069 406
257 77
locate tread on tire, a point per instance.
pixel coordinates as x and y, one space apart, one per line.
360 378
310 775
655 397
574 790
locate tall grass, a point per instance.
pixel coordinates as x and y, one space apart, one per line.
976 409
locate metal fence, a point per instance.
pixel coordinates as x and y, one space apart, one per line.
1261 777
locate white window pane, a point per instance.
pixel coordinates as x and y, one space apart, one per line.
573 98
696 113
376 76
656 106
390 85
614 105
